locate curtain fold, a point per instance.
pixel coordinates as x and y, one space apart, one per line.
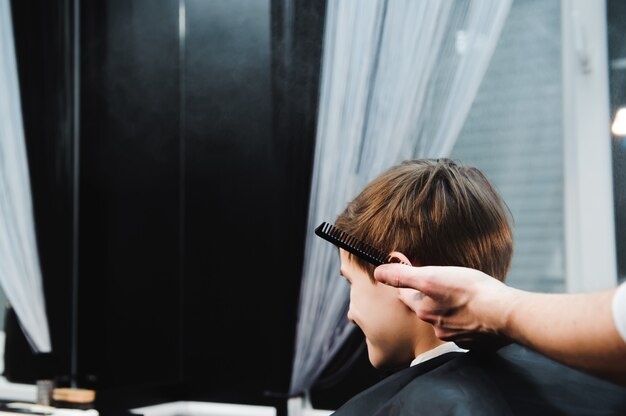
398 79
20 273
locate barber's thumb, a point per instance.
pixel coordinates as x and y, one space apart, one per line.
398 275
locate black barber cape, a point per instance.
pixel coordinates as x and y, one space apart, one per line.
511 381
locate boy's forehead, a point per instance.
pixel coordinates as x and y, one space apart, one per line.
343 258
348 263
346 260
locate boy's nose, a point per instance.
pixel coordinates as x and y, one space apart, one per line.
350 315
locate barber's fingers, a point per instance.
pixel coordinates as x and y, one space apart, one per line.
425 307
456 335
474 341
447 334
411 298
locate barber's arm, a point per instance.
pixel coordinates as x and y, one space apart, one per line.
587 331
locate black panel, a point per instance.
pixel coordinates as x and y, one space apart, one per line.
129 315
43 48
233 200
251 98
297 33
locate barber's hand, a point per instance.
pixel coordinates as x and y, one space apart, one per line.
464 305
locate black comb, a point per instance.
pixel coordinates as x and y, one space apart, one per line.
351 244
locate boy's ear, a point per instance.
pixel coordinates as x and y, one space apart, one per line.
397 257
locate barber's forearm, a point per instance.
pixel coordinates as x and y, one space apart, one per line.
575 329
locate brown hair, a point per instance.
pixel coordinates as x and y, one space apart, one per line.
436 212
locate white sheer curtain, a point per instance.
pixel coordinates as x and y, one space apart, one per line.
20 275
398 79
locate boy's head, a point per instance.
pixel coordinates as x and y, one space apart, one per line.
434 212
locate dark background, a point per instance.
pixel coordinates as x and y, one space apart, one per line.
194 160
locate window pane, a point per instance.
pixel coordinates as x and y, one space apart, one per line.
514 135
616 26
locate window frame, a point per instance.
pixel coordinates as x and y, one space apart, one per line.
590 249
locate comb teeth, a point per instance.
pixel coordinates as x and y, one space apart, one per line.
351 244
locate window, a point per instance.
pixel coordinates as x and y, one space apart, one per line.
514 134
539 129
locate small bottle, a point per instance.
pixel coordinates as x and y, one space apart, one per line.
44 392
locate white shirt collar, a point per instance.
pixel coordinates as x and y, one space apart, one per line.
436 352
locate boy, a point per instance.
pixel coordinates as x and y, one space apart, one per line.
427 212
432 212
